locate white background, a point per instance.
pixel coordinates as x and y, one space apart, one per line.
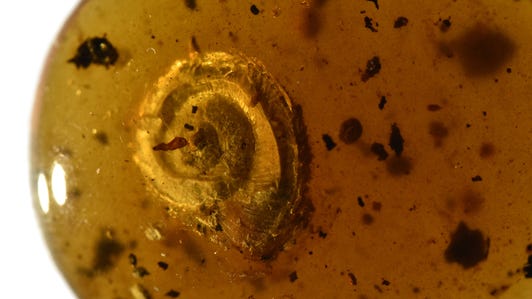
27 29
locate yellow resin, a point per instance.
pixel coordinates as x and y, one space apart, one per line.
288 149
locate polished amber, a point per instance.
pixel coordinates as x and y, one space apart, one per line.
288 149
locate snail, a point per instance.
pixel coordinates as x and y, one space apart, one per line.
233 167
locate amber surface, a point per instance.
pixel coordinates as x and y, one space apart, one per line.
363 149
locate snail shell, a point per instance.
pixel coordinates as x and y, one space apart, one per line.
232 164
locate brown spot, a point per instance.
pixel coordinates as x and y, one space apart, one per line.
379 150
445 25
376 206
293 276
368 23
353 278
107 251
468 247
400 22
367 219
399 166
350 130
472 202
484 50
396 141
176 143
190 4
194 45
373 67
433 107
438 130
310 22
487 150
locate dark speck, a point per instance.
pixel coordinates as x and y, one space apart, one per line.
189 127
107 252
350 131
382 102
433 107
254 10
509 70
468 247
528 268
376 2
385 282
483 50
194 44
172 294
373 67
162 265
360 201
445 25
293 276
400 22
353 278
487 150
101 137
476 178
368 23
529 248
376 206
379 150
194 109
329 143
97 50
132 259
367 219
322 234
141 272
191 4
396 140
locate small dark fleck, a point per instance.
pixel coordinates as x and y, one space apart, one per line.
191 4
385 282
141 272
400 22
376 206
433 107
322 234
445 25
350 131
189 127
162 265
329 143
509 70
254 10
367 219
107 252
529 248
194 44
194 109
528 268
176 143
373 67
487 150
416 290
468 125
153 37
396 140
101 137
360 201
438 130
97 50
379 150
376 2
484 113
172 294
132 259
218 227
476 178
368 23
293 276
468 247
382 102
353 278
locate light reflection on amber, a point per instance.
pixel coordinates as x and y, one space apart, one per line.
59 184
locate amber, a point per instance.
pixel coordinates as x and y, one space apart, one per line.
288 149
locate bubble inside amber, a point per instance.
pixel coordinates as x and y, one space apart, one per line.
288 149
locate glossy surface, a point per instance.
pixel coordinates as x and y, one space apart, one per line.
389 149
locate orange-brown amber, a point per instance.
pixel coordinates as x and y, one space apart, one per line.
288 149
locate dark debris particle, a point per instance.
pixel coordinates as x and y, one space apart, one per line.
368 23
529 248
400 22
107 252
190 4
382 102
360 201
194 109
445 25
379 150
322 234
189 127
433 107
254 10
396 140
509 70
487 150
194 44
483 50
141 272
132 259
329 142
176 143
373 67
350 131
218 227
468 247
172 294
293 276
162 265
353 278
527 269
367 219
476 178
376 2
385 282
97 50
101 137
